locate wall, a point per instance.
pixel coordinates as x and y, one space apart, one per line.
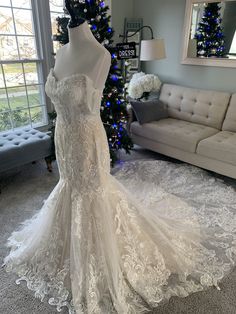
120 9
167 18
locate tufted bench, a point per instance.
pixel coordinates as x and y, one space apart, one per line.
23 146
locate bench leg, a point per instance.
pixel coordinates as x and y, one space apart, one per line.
49 163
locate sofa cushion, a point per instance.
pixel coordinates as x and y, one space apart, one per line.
221 146
147 111
173 132
230 118
195 105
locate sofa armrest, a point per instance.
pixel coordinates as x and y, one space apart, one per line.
130 119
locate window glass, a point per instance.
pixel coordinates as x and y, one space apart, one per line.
56 9
22 97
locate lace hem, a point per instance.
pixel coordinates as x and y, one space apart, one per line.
53 290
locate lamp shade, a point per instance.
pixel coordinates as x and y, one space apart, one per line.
152 49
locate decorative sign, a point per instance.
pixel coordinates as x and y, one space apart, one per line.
126 50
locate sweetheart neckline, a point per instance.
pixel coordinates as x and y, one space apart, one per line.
67 78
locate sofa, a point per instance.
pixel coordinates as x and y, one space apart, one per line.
200 128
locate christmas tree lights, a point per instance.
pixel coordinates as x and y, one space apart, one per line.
209 35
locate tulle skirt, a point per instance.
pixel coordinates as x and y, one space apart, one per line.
152 231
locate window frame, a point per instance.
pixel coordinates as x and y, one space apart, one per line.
44 61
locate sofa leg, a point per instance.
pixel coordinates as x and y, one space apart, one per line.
49 163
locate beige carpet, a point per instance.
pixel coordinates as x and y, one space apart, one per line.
23 192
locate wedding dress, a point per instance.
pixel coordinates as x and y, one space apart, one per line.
123 245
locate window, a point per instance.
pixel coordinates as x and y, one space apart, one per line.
22 98
198 10
56 9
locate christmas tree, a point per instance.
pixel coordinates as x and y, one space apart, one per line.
113 106
209 35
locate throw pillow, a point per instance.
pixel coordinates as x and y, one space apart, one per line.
147 111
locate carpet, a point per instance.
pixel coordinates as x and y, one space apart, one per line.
23 191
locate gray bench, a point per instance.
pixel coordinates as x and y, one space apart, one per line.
23 146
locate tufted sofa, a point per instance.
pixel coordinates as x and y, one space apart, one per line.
200 129
23 146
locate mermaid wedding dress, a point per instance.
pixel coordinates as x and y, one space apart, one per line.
123 245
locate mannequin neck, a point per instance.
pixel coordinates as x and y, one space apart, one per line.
78 33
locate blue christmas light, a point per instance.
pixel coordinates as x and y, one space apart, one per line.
114 77
108 103
118 102
115 125
109 30
94 27
102 4
114 56
118 142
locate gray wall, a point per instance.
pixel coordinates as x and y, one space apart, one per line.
120 10
167 17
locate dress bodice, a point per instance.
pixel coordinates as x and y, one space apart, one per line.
74 95
78 128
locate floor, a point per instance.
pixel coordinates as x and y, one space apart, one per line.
23 191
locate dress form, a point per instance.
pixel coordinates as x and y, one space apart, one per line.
83 55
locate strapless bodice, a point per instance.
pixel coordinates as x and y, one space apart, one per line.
78 127
73 95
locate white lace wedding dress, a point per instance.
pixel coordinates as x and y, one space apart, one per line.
102 246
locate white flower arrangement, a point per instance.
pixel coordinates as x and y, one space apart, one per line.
143 83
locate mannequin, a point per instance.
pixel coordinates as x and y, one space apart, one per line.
83 54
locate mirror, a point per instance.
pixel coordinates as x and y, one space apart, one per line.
210 33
